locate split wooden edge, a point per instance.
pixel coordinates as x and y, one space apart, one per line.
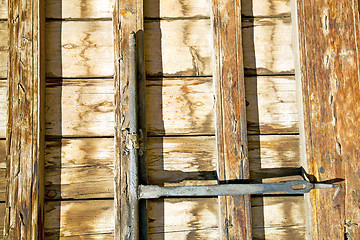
25 123
231 129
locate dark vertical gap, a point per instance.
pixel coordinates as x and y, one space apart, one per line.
255 126
53 191
157 55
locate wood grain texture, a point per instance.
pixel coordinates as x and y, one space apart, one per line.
79 49
267 46
177 106
67 9
329 68
3 108
3 9
189 218
267 49
89 9
71 164
80 107
79 168
127 19
201 8
4 48
79 219
231 124
25 124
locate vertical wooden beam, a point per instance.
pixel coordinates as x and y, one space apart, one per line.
25 124
233 165
329 63
127 18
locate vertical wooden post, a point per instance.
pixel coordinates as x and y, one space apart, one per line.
329 67
128 18
233 165
25 124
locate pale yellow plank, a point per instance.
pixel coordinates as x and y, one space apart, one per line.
185 106
178 47
3 108
156 8
80 107
178 215
79 168
79 219
3 9
280 233
79 49
272 104
267 46
82 168
4 47
201 8
79 9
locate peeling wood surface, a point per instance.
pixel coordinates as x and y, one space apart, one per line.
329 68
79 49
80 107
2 217
230 112
3 108
25 124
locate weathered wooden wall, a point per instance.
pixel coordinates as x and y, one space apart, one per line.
180 116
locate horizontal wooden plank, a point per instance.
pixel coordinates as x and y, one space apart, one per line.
188 40
183 218
79 49
3 9
80 107
82 168
156 8
84 107
65 9
267 47
185 106
4 47
79 168
79 219
278 233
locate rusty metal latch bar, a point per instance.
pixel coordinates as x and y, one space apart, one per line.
137 192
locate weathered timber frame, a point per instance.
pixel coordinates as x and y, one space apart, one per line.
25 122
328 71
231 129
128 18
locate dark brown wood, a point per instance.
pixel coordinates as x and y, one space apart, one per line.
232 146
328 34
127 18
25 124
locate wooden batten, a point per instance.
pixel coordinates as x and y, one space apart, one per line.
231 130
127 19
328 37
25 124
